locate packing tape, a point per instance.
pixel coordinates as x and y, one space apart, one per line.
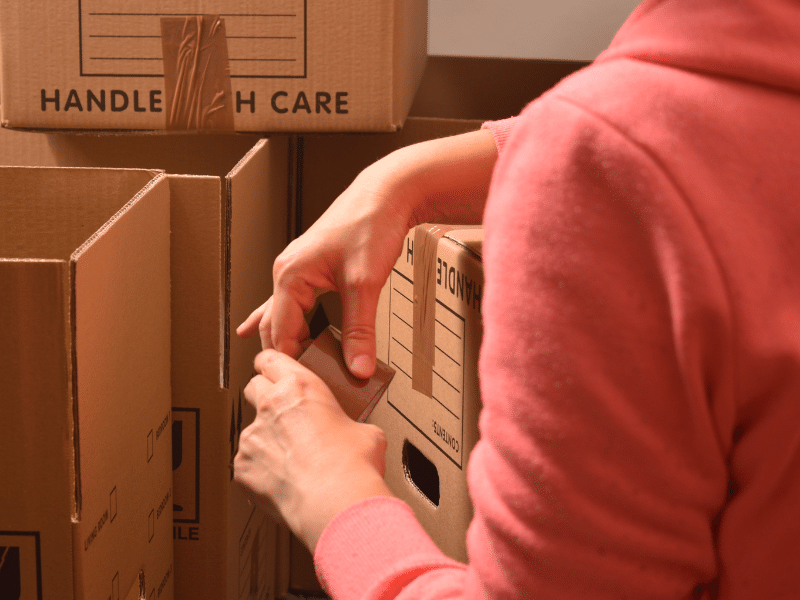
196 73
426 244
356 396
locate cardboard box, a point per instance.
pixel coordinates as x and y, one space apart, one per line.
85 504
432 427
288 65
229 221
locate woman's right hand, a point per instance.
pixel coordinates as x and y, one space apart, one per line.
353 246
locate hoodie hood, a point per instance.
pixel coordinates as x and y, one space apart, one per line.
752 40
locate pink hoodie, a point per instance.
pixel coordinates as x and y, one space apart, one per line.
640 366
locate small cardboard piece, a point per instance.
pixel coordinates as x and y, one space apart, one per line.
431 436
228 219
357 397
294 65
84 374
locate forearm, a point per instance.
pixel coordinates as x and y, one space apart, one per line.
445 180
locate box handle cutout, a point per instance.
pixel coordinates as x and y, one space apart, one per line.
421 473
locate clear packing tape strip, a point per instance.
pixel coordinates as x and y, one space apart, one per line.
196 73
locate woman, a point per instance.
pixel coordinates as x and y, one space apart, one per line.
640 378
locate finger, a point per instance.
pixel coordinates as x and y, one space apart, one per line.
250 325
274 365
257 391
265 326
288 324
360 306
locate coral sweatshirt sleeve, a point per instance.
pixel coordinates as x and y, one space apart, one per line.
640 367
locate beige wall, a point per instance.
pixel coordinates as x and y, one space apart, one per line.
546 29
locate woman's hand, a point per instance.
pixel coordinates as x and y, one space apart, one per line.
352 248
302 459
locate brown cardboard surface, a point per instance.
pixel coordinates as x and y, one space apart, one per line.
257 213
302 577
467 88
430 438
210 155
33 292
226 230
282 568
85 458
356 396
122 307
332 65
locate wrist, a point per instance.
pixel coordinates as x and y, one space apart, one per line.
321 511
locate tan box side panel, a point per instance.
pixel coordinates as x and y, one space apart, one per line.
122 343
258 211
258 198
70 205
410 54
36 424
201 447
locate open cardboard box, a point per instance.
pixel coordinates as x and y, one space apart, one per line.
85 500
288 65
229 220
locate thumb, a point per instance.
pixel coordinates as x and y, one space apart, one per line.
359 309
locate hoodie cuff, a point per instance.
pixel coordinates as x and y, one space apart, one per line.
501 130
374 548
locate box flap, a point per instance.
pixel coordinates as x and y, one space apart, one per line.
257 212
121 358
257 196
174 153
49 212
197 276
36 420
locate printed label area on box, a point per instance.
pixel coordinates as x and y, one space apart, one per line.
120 42
20 565
440 418
186 464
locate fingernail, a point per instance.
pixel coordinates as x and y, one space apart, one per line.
361 366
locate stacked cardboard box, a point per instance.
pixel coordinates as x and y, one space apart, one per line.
275 65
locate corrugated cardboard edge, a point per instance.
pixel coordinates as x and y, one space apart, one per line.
158 176
227 219
469 238
410 55
255 234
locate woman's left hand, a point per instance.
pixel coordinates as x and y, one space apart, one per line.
303 459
